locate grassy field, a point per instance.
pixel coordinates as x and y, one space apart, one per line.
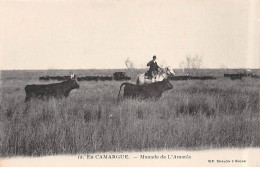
193 115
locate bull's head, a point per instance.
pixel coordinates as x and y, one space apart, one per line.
167 84
74 81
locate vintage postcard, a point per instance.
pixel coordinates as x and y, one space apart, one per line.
130 83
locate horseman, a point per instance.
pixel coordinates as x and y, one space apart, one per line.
154 74
153 70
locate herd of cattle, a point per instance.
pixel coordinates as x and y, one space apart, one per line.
116 76
240 75
122 76
189 77
232 76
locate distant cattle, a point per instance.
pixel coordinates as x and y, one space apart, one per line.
57 90
104 78
44 78
177 78
153 90
234 76
188 77
255 76
209 78
121 76
240 75
117 76
95 78
59 78
195 78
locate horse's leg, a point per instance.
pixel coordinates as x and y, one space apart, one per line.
153 77
143 79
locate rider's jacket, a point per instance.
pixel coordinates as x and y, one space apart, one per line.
153 66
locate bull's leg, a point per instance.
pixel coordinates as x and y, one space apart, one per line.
158 96
27 99
66 94
126 95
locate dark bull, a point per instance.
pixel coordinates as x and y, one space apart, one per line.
153 90
57 90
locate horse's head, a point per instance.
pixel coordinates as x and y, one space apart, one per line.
169 71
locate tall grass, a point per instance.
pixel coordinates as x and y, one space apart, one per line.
193 115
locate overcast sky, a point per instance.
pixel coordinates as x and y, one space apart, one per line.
103 33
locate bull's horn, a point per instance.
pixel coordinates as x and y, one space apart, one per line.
72 75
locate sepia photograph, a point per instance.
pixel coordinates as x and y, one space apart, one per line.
129 83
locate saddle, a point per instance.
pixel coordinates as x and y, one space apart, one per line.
147 75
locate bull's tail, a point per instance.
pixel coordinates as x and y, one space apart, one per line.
120 90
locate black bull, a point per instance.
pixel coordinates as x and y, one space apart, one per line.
153 90
57 90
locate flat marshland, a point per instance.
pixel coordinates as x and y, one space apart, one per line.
195 114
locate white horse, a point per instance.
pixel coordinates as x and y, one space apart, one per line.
163 73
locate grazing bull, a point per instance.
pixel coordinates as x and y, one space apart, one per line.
57 90
153 90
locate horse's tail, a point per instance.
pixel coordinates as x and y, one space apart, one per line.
120 90
138 81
